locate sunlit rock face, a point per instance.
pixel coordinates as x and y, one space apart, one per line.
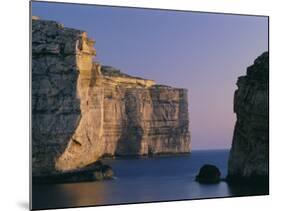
55 104
142 118
65 100
250 147
82 110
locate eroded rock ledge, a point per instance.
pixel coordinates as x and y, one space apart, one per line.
249 156
82 110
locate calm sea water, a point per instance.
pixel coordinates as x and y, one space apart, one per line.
143 180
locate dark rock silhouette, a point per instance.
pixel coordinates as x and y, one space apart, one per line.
94 172
208 174
249 155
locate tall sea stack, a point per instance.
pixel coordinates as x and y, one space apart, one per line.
249 156
82 110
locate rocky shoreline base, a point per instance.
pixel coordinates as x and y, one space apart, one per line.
253 180
142 156
94 172
210 174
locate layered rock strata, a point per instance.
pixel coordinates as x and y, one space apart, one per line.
67 107
249 156
82 110
142 118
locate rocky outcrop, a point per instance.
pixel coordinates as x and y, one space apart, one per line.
249 156
82 110
208 174
65 100
94 172
142 118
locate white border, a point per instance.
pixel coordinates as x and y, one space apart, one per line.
14 88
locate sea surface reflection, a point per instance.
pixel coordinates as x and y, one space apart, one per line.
144 180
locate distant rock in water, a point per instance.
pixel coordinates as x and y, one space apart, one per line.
208 174
249 155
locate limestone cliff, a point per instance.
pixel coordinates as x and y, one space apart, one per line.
250 152
82 110
143 118
65 100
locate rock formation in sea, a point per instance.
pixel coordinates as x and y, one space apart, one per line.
249 156
208 174
82 110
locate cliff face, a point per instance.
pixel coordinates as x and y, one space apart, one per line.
249 154
142 118
64 99
82 111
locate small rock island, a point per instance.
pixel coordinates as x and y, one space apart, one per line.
208 174
82 111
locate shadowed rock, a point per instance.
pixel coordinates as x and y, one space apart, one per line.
249 155
94 172
208 174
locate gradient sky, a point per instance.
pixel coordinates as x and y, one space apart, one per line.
202 52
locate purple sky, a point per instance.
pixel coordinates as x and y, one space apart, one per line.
202 52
